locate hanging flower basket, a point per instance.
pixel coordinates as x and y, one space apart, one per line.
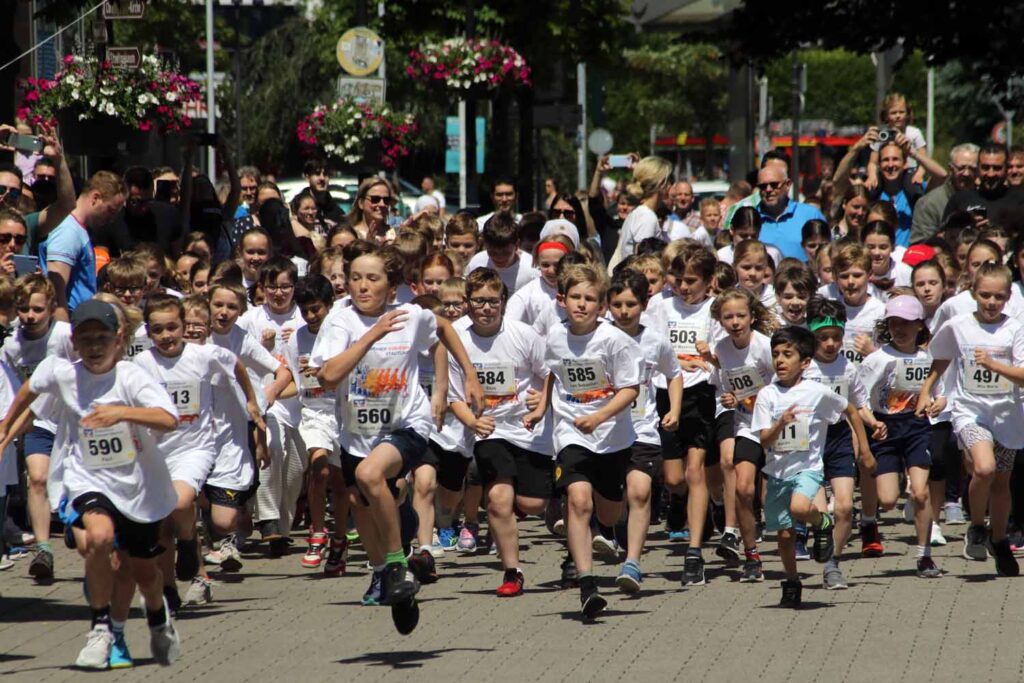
469 65
359 131
107 109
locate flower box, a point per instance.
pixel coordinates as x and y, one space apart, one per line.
354 133
469 66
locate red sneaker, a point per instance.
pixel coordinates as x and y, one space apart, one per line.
315 550
512 585
871 541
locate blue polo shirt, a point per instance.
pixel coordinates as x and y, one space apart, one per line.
69 243
784 231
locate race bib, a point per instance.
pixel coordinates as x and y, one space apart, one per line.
138 346
838 384
851 353
371 416
106 447
639 409
795 436
497 379
911 373
985 382
684 335
744 381
310 385
427 384
185 397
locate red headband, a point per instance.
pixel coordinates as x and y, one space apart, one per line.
552 245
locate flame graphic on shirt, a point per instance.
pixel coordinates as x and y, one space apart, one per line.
374 382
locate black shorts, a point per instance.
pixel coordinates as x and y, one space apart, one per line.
410 446
748 451
138 539
696 424
450 466
944 450
646 458
473 474
228 498
532 474
725 426
605 472
838 457
905 444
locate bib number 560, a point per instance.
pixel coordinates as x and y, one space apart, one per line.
367 416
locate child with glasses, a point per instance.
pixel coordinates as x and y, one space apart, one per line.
126 279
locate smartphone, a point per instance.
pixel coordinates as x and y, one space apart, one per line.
207 139
24 264
25 143
620 161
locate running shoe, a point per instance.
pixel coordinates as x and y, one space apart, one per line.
337 558
422 566
832 577
448 538
371 598
729 549
405 616
927 569
17 552
629 578
230 558
937 538
468 538
512 585
801 548
198 593
752 572
164 642
120 657
41 567
1006 563
96 653
570 577
823 547
792 592
679 536
693 571
591 601
871 540
954 513
314 556
352 535
974 543
558 528
436 549
606 548
1016 540
6 563
399 583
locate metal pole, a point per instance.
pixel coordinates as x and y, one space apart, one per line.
469 131
763 142
581 98
211 123
930 132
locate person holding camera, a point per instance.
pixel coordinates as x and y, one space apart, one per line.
993 201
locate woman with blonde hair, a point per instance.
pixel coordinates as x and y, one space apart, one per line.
369 215
651 179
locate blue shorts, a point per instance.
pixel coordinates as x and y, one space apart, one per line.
39 441
838 456
906 444
780 495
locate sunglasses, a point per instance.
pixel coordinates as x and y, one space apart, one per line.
775 185
6 237
12 192
379 199
568 214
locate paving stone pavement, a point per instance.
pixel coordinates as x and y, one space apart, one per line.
275 621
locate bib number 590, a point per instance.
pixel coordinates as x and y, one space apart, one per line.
105 446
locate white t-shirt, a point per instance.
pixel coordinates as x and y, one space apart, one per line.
840 376
684 325
254 321
529 302
312 396
508 365
679 230
640 224
964 303
743 372
9 386
382 394
894 379
588 370
860 320
124 462
23 355
659 360
482 220
727 253
515 276
980 396
800 444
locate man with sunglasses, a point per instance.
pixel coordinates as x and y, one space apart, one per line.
993 201
143 219
13 235
963 175
503 195
782 218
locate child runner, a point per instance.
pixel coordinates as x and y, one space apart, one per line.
794 286
501 253
751 263
126 279
879 239
38 336
595 371
462 234
252 252
851 265
893 377
539 295
108 414
988 347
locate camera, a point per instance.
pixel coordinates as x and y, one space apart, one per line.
886 136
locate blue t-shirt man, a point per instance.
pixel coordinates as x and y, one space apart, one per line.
69 243
785 230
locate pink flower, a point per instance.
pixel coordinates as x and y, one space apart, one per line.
145 125
68 59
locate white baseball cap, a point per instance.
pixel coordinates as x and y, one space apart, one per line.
560 226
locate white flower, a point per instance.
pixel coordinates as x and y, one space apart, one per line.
74 94
171 96
109 109
143 99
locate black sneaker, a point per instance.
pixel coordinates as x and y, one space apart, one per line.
1006 563
570 577
927 569
186 562
823 547
729 549
399 584
792 591
752 572
41 568
423 567
405 615
591 601
693 571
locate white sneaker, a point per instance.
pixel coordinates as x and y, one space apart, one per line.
164 641
908 511
230 558
96 653
199 593
6 562
937 537
436 549
606 549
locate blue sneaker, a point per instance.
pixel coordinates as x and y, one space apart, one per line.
448 538
681 536
801 548
629 578
371 598
120 657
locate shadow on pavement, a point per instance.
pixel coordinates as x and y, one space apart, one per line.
405 659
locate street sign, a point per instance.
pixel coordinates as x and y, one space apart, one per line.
360 51
600 141
362 89
124 9
124 57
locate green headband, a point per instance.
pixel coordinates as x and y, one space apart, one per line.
827 321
